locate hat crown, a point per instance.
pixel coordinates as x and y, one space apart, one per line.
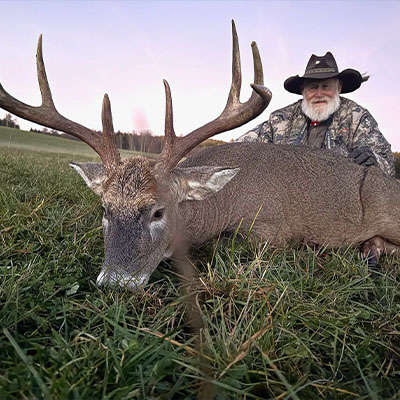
321 64
324 67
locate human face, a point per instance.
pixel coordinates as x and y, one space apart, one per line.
321 98
318 93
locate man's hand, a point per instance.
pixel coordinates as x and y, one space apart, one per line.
363 156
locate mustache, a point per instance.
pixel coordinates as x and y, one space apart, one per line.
322 99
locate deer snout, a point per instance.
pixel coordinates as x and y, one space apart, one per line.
117 278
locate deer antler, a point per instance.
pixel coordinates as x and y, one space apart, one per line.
234 114
47 115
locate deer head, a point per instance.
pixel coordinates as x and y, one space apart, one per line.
140 197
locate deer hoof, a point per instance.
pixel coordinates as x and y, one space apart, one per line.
372 250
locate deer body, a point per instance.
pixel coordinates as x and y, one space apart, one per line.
277 193
294 195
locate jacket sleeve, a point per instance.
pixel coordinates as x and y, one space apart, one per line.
261 133
367 134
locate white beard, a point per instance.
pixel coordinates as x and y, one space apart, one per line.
324 113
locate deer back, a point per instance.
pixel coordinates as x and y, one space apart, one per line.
288 194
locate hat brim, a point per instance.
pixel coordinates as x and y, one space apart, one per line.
350 78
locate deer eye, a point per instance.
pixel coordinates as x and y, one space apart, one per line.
158 214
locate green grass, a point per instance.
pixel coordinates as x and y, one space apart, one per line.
16 140
281 323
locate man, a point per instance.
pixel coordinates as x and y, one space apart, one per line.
324 119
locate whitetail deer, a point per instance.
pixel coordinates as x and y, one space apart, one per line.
282 194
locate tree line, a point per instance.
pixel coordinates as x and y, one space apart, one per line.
142 141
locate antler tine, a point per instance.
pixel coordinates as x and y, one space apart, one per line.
258 85
47 115
47 99
234 114
169 132
111 156
236 84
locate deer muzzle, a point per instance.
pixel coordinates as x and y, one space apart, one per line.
118 278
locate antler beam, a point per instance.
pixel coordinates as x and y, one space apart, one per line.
47 115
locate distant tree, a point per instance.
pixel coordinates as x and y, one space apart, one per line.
143 141
35 130
9 121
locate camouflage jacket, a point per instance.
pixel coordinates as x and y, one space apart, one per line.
352 126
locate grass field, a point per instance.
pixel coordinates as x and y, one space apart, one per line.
280 324
17 140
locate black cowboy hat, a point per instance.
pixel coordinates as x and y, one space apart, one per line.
324 67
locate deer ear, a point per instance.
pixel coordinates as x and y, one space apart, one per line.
92 173
198 183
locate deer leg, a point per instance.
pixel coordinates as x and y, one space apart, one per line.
374 247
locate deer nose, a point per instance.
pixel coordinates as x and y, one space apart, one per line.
116 278
102 278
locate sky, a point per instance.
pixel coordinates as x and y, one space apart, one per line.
126 49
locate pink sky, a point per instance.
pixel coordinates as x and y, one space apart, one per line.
126 48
